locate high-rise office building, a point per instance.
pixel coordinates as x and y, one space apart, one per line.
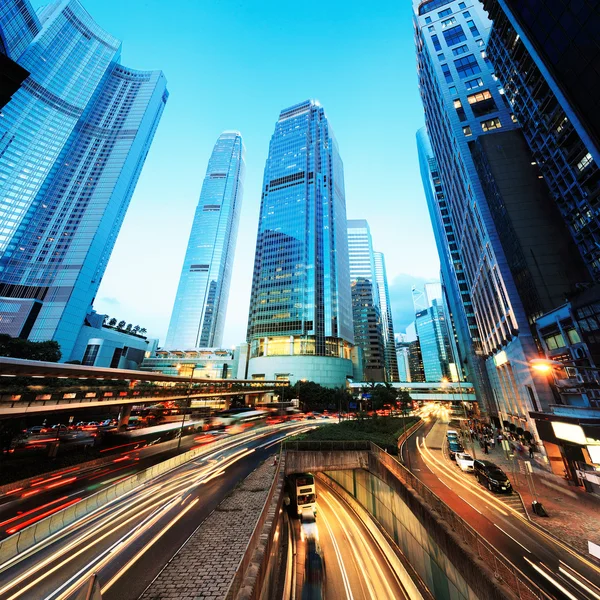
300 319
517 258
415 362
402 356
200 306
546 56
73 140
391 362
436 353
366 308
12 74
468 355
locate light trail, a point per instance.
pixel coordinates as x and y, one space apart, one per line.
149 502
358 533
551 579
340 560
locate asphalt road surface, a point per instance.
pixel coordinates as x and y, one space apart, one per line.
129 541
355 568
499 518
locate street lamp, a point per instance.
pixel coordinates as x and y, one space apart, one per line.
179 367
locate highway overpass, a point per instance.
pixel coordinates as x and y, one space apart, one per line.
444 391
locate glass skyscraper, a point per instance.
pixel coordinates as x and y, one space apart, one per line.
387 323
73 140
435 344
505 229
300 318
201 303
366 309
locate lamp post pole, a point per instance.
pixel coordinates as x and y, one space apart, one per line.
189 389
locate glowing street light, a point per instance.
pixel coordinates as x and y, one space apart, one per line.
543 365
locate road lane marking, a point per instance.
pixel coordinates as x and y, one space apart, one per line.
512 538
579 583
376 562
338 554
123 570
551 579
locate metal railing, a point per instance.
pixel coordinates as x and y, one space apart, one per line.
504 570
323 446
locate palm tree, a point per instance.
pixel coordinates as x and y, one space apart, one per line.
121 325
136 329
143 331
112 322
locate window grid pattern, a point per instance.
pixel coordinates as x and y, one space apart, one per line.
300 300
199 312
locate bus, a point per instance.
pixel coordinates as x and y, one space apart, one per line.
226 417
243 421
302 492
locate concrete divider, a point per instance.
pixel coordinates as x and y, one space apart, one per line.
42 530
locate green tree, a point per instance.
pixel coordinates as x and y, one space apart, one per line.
143 331
128 328
136 329
112 322
121 325
48 351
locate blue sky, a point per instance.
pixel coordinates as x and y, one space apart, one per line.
234 65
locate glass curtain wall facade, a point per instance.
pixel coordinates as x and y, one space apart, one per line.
468 355
391 361
465 104
435 344
547 56
301 303
73 140
200 306
366 307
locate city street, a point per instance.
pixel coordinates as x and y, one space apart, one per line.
26 503
128 541
355 566
499 518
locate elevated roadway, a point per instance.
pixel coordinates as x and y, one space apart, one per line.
35 387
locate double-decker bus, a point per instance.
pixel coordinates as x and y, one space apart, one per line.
302 492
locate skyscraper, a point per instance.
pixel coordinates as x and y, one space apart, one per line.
434 342
300 318
546 56
391 361
201 303
366 307
511 241
469 357
73 140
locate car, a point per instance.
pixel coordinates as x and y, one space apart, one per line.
454 447
36 430
491 476
308 524
451 434
464 461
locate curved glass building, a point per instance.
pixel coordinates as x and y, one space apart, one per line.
201 303
73 140
300 321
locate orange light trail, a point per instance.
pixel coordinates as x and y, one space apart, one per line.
39 517
53 485
20 516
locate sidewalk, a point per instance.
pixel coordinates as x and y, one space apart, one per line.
574 514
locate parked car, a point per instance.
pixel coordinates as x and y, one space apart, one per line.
454 447
491 476
452 434
464 461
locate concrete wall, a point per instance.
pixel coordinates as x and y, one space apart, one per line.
318 461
